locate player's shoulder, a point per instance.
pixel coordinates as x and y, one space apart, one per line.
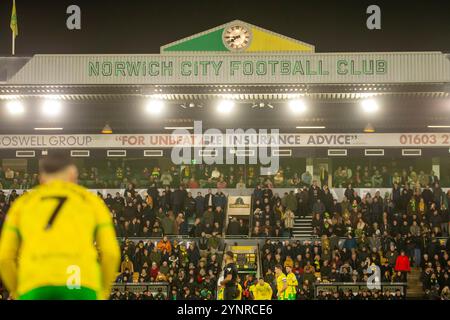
70 190
76 190
83 191
24 198
90 196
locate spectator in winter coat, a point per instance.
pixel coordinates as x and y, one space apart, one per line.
164 244
395 194
318 207
166 179
168 223
219 217
402 264
233 227
199 205
155 255
208 216
291 201
302 202
178 198
350 242
193 253
391 255
258 193
197 229
435 219
438 194
348 193
327 199
127 264
314 194
190 205
209 199
220 200
306 178
289 217
154 271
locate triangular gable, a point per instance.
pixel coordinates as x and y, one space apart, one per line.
261 40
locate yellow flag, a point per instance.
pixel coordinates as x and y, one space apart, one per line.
14 26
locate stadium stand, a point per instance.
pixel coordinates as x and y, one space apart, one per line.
172 243
143 173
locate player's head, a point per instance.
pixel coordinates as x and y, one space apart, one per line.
57 166
278 269
288 268
261 281
229 256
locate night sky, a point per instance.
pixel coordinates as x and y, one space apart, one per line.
134 26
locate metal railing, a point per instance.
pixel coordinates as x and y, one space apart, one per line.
359 286
152 287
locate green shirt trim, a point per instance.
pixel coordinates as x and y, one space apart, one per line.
13 229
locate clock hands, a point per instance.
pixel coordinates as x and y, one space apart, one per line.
233 38
237 37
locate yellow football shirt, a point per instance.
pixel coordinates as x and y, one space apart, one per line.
292 283
281 280
220 293
262 292
52 230
239 288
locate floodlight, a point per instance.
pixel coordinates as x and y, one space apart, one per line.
15 107
370 105
225 106
51 107
297 106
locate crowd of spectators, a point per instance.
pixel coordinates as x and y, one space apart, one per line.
189 267
407 219
157 213
353 261
15 179
272 216
393 231
119 174
381 177
167 212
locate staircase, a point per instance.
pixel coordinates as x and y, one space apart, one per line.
415 289
302 227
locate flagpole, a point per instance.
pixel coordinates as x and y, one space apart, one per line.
13 44
14 28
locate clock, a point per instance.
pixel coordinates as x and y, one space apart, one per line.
237 37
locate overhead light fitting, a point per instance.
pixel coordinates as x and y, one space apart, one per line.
225 106
310 127
370 105
154 106
297 106
48 129
178 128
107 129
262 105
51 107
369 128
190 105
15 107
438 126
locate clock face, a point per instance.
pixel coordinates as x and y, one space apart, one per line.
237 37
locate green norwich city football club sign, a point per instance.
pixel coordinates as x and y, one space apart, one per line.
236 67
237 53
